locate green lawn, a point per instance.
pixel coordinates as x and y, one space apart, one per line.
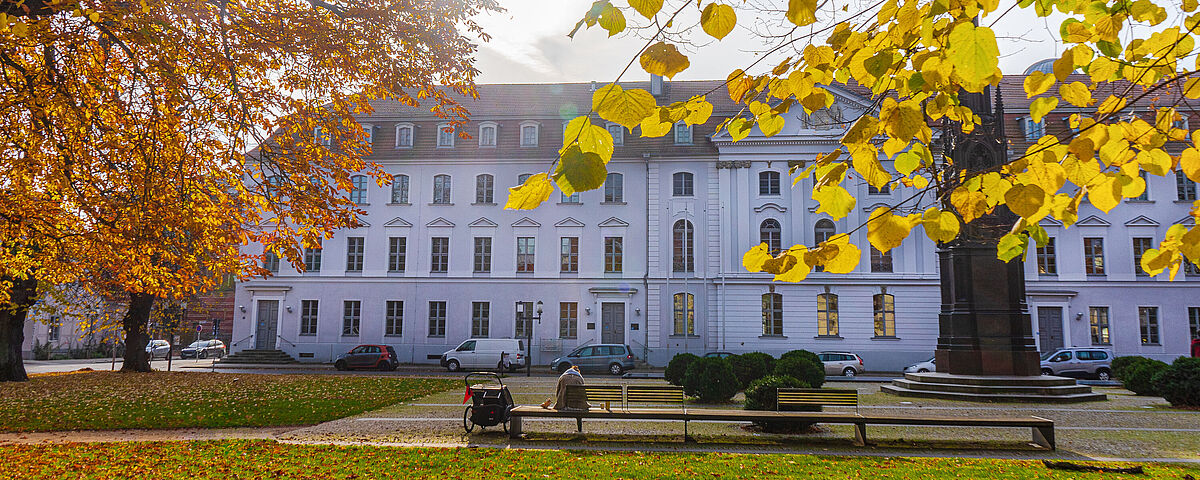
267 459
112 400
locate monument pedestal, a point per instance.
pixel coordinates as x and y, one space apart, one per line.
999 388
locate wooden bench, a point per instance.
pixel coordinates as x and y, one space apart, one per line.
815 397
620 395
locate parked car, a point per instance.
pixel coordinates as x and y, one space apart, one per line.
158 348
720 354
1079 363
922 367
203 349
485 353
612 358
378 357
842 363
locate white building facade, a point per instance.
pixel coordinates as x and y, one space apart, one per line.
653 259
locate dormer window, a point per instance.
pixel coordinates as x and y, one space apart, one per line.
445 138
529 134
404 135
1033 130
370 131
321 137
487 134
683 133
618 133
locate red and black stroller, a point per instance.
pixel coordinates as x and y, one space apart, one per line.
490 402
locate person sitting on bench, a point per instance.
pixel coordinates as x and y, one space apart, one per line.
561 401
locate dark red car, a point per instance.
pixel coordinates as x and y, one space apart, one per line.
376 357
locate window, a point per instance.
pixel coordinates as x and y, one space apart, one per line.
772 313
827 315
523 177
355 247
445 138
881 262
885 315
351 317
483 254
612 255
572 198
569 255
370 131
437 319
529 135
397 253
683 247
769 232
358 189
53 330
525 254
524 319
685 314
683 133
1033 130
483 188
768 183
682 184
393 323
480 319
618 134
441 189
821 232
1047 263
1145 196
873 190
439 254
487 135
1140 245
1093 256
1185 188
568 320
308 317
404 136
400 189
321 137
271 262
614 188
312 259
1099 324
1148 318
1194 322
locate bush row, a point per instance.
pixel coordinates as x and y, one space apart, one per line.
714 379
1178 383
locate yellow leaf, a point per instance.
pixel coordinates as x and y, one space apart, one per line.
1049 175
653 126
612 19
901 120
1040 107
863 131
648 8
866 163
590 138
529 195
1155 261
739 84
834 200
802 12
940 226
718 20
1037 83
969 204
1105 194
770 124
626 108
847 257
579 171
664 59
974 53
780 264
1191 88
1075 93
886 231
754 258
739 128
1111 104
1026 201
799 270
1011 246
1102 69
699 111
1189 163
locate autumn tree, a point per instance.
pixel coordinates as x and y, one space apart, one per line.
127 127
917 57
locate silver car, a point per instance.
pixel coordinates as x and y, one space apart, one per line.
842 363
1078 362
612 358
158 348
922 367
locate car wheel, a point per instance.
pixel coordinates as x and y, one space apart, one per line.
616 369
1047 371
340 365
452 365
849 372
384 366
923 370
203 354
562 367
1103 374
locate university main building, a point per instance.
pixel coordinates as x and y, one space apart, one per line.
653 259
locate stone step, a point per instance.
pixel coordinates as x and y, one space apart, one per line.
994 397
937 377
274 357
993 389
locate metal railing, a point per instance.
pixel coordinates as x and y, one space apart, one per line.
286 340
234 344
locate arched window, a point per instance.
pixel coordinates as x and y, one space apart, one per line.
772 314
885 315
682 185
821 232
827 315
614 188
683 242
768 183
483 188
441 189
358 191
523 177
769 233
404 135
487 135
400 189
685 314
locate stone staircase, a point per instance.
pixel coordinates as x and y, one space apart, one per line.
1046 389
270 357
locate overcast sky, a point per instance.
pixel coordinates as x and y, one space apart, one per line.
530 45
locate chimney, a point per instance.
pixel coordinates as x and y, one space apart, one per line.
656 85
593 85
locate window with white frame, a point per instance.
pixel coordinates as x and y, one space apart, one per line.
437 319
1140 245
770 233
768 183
1148 320
568 319
1145 196
885 315
1093 256
308 317
1047 258
487 135
1033 130
1185 188
572 198
483 188
355 248
312 259
614 256
393 322
322 137
445 137
271 262
772 315
351 317
441 189
439 254
881 262
404 135
823 230
569 255
617 132
685 314
522 178
614 188
682 184
529 134
683 243
1099 325
683 133
358 189
397 253
400 189
1194 322
369 129
525 254
827 315
483 254
481 319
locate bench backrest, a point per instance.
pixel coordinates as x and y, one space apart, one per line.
596 393
653 394
798 397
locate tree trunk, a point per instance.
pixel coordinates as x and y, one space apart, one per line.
136 338
12 329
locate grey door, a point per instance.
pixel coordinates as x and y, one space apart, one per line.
268 323
612 323
1050 328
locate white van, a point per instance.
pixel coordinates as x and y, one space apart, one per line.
485 354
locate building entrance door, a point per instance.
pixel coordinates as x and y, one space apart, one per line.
612 323
1050 331
267 324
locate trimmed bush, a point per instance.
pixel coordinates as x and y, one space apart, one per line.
802 353
677 368
806 368
1121 365
711 379
1139 376
760 394
1180 382
749 367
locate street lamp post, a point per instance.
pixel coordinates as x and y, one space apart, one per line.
537 315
